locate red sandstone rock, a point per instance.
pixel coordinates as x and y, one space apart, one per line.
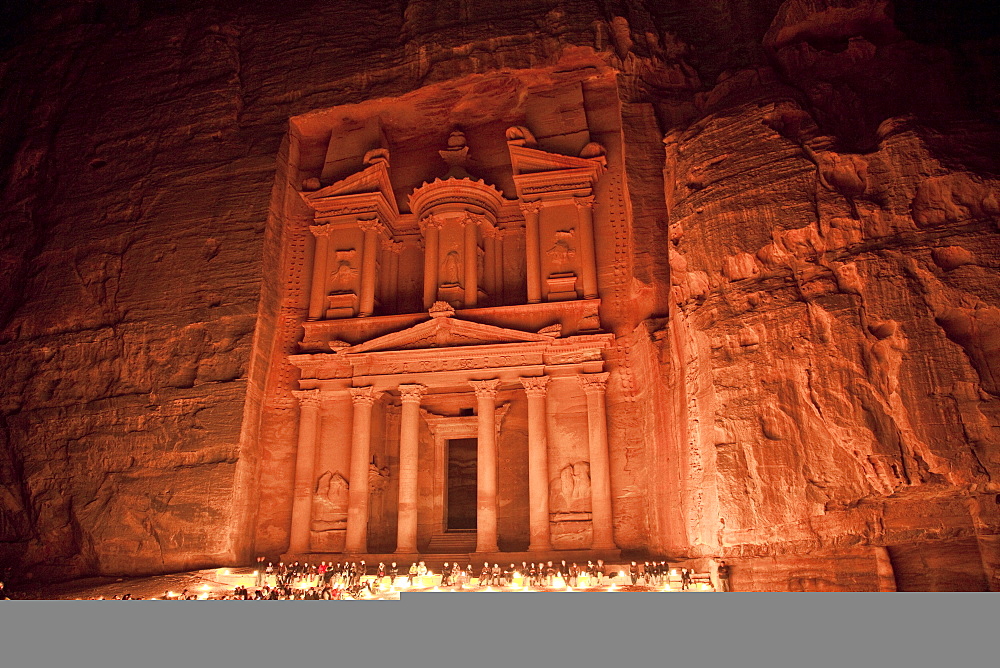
798 264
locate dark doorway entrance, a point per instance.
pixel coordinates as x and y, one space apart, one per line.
462 484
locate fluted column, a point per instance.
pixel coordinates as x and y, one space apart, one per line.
305 463
538 464
409 434
369 259
486 466
317 291
357 499
532 210
588 260
471 262
432 231
600 469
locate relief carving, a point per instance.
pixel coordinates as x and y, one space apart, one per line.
343 276
330 502
451 272
572 494
378 478
562 251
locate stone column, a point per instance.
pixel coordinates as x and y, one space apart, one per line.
387 274
499 275
538 464
356 540
317 291
369 258
588 259
305 464
471 262
532 210
490 265
431 228
600 469
409 434
486 467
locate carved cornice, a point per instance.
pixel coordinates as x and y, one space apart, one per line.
308 398
485 389
365 396
412 394
593 383
535 386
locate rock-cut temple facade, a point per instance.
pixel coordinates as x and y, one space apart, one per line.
449 373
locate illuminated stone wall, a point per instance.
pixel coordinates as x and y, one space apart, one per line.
810 195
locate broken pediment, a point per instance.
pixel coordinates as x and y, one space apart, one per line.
445 333
371 185
537 172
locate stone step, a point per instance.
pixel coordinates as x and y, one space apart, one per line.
457 543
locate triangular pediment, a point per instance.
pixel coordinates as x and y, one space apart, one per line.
372 180
532 161
445 332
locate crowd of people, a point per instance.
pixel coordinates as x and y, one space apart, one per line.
336 581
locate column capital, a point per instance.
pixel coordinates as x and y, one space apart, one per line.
485 389
533 206
474 219
321 230
365 396
584 202
430 222
593 383
411 394
391 246
370 224
535 386
308 398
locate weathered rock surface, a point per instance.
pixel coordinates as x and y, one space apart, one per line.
820 222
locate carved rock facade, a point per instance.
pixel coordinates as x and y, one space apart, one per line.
774 231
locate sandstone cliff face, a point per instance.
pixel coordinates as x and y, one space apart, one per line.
813 200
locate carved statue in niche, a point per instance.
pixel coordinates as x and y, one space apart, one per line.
342 277
562 250
330 500
573 492
452 270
